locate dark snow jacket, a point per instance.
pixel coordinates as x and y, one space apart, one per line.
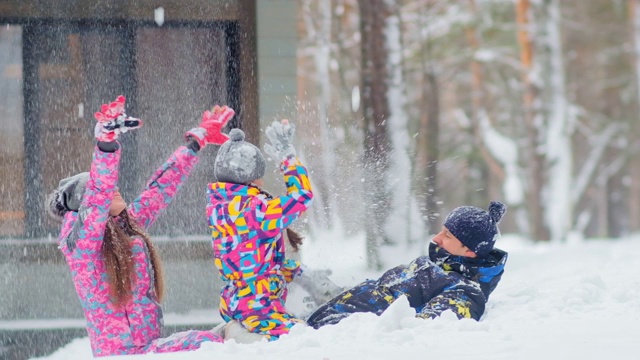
432 285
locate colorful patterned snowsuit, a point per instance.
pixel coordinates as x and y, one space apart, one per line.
432 285
134 328
249 249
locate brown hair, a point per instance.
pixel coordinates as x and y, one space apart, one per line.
295 239
118 259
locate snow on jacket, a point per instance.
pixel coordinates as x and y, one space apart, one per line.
135 327
249 248
432 285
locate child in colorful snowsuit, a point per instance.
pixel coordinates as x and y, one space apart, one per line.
248 230
115 268
461 271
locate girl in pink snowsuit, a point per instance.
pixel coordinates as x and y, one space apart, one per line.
114 266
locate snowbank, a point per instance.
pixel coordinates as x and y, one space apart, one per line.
555 301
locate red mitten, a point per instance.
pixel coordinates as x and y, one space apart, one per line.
209 131
112 121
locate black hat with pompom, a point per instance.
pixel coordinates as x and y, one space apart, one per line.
476 228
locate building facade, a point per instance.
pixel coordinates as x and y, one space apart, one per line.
59 61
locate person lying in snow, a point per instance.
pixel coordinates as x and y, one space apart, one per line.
249 228
461 271
115 268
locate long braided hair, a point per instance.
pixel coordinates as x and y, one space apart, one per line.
294 238
118 259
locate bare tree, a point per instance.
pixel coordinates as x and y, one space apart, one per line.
427 149
375 109
531 101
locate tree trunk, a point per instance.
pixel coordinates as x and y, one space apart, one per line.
375 110
427 149
530 95
403 212
634 165
495 170
559 152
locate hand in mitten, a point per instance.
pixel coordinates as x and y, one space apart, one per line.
112 121
318 285
280 135
210 129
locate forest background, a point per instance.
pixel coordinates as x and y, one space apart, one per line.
411 108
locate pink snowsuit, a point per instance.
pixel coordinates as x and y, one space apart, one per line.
135 327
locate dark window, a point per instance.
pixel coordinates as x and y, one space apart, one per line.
11 133
169 75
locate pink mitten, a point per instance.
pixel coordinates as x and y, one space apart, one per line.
209 131
112 121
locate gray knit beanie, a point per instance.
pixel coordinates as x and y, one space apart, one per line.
238 161
68 195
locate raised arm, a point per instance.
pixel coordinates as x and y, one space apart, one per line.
278 213
163 186
167 180
84 226
84 229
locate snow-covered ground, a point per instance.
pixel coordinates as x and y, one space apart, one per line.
556 301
